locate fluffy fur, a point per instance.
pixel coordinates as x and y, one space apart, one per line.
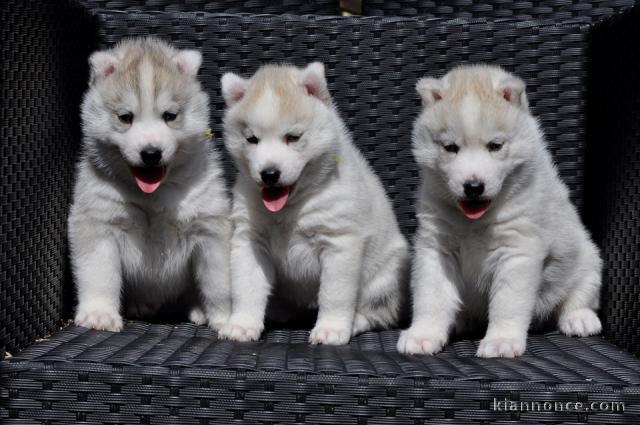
527 256
155 247
336 243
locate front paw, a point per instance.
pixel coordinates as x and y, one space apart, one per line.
331 332
421 340
582 322
218 321
237 330
197 316
103 320
501 347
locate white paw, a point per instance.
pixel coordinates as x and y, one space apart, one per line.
331 332
237 331
419 340
501 347
217 321
582 322
360 324
197 316
100 319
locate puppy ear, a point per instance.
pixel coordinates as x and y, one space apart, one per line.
314 81
103 64
233 87
512 89
430 90
188 61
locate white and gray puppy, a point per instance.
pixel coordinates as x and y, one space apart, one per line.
150 215
312 223
498 236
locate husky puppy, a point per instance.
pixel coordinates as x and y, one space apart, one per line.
498 236
312 223
150 213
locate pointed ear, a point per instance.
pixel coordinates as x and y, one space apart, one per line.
188 61
103 64
233 87
430 90
314 81
512 89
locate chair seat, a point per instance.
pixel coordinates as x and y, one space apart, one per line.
157 373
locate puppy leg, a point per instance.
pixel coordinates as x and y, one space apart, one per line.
211 267
577 314
338 294
436 301
96 265
384 296
511 303
252 275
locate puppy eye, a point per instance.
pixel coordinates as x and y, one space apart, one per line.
169 116
253 140
452 148
494 146
126 118
292 138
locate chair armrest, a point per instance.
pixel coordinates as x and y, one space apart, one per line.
44 54
613 171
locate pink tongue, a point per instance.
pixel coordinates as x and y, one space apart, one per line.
474 210
147 187
275 198
149 179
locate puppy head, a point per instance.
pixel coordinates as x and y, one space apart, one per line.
474 132
144 110
279 126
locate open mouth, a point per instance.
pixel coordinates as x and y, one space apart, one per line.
474 208
275 198
149 179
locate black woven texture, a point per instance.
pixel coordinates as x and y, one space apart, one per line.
614 169
371 72
163 374
535 9
373 65
43 75
278 7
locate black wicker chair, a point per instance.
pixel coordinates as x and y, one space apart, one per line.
584 84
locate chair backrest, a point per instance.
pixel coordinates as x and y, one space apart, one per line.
373 65
530 9
278 7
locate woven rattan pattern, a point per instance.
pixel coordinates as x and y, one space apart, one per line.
166 374
614 169
295 7
372 74
527 9
43 76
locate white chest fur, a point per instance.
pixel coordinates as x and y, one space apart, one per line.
295 254
155 247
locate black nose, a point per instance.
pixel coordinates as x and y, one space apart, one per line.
270 176
151 156
473 188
